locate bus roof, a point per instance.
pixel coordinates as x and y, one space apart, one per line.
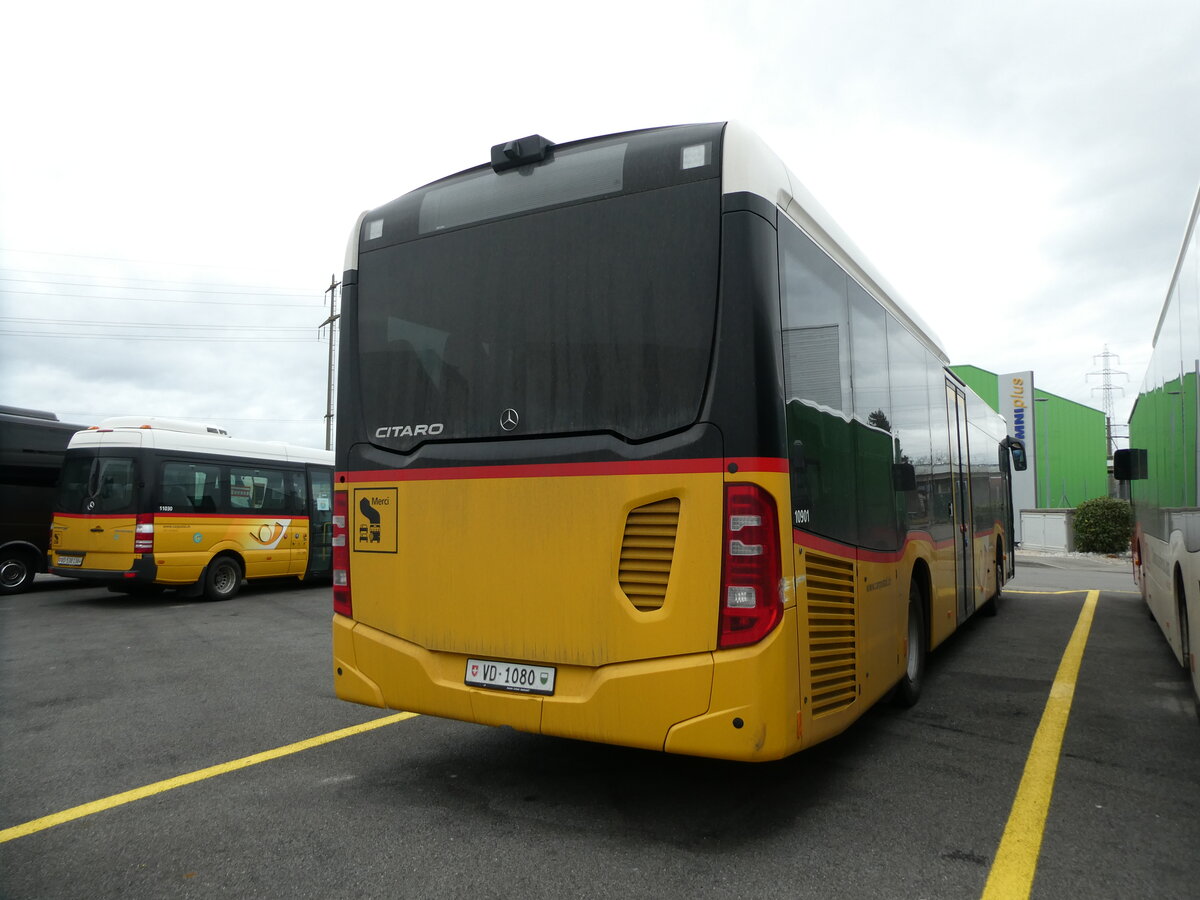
1183 249
171 434
19 412
750 166
33 437
161 424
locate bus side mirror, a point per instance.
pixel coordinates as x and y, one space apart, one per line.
1129 465
1016 450
904 477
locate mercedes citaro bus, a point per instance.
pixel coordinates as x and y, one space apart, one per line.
635 447
146 504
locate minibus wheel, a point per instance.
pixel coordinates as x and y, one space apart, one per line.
222 578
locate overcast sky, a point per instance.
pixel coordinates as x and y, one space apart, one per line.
178 182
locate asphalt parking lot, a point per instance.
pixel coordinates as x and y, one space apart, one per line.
178 748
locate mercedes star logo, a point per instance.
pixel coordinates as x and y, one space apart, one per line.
509 419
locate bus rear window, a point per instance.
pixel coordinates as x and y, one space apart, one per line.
597 317
573 175
97 485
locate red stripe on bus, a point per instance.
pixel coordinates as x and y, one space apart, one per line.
760 463
183 515
567 470
217 515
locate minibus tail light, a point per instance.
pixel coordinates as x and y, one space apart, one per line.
143 533
341 557
751 572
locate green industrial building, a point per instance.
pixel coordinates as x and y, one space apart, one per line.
1070 445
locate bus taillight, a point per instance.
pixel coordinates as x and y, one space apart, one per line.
341 557
751 572
143 533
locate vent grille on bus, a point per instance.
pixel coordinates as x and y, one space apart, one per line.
833 634
646 552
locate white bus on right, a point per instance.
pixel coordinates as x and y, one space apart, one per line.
1163 464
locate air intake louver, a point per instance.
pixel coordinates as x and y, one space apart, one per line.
646 552
833 635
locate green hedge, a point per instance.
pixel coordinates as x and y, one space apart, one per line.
1103 525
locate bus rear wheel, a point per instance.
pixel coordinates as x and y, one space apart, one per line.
16 571
908 691
1181 616
222 578
993 604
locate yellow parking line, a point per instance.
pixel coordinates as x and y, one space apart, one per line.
1070 591
87 809
1016 860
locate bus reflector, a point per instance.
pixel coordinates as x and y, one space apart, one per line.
143 533
751 605
341 557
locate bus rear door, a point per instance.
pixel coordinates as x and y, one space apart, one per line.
960 492
320 521
96 522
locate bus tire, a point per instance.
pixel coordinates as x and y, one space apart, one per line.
1181 616
908 690
222 578
993 604
17 569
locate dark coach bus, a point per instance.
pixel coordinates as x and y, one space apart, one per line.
32 444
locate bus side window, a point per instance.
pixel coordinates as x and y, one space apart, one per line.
176 498
904 477
799 476
261 490
297 496
208 502
274 491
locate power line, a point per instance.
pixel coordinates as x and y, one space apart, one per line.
332 322
231 327
58 294
175 290
162 337
1108 389
149 262
128 277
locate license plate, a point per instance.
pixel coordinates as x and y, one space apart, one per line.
509 676
70 560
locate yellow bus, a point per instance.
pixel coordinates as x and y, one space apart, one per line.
635 447
146 504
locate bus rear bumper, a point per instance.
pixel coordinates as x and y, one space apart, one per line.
140 574
706 704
